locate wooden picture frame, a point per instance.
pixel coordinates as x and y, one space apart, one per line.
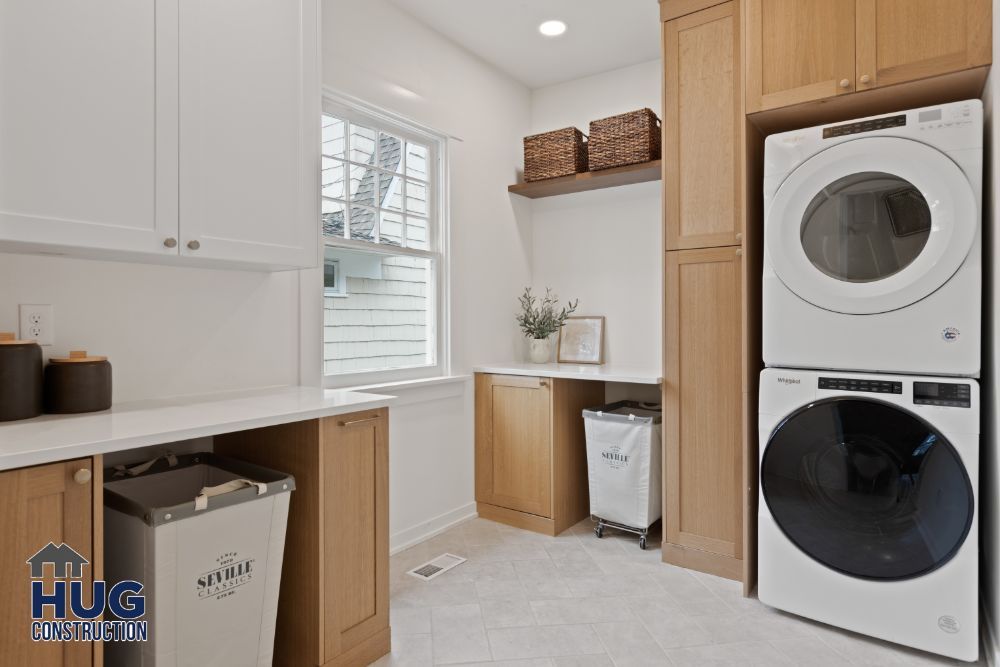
581 341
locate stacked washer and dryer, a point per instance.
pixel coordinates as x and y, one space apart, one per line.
869 410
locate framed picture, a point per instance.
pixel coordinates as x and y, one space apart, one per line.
581 341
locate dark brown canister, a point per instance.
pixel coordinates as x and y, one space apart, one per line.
77 383
20 378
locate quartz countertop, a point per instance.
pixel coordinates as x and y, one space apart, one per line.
599 372
51 438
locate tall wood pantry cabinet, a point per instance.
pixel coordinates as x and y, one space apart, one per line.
709 265
161 130
60 503
531 456
805 50
333 608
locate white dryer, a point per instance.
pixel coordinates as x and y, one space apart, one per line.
872 243
867 517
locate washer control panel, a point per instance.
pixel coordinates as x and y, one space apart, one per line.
864 126
857 384
952 395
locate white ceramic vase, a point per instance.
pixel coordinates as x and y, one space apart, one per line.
538 350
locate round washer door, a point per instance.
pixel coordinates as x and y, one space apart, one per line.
867 489
871 225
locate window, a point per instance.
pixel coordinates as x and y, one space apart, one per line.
383 260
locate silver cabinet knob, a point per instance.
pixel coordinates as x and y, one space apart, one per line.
194 245
845 83
739 252
865 79
170 242
82 476
739 236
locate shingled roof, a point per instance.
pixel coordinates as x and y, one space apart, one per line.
364 221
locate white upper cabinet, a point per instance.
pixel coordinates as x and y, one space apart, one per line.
130 129
80 150
249 130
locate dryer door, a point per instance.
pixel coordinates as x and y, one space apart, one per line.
867 488
871 225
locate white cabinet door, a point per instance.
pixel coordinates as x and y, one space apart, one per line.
88 117
249 131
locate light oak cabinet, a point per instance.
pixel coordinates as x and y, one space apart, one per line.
161 131
531 457
703 127
333 608
806 50
60 503
703 416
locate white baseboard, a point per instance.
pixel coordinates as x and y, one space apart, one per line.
405 539
991 648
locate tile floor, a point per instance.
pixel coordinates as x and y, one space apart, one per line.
527 600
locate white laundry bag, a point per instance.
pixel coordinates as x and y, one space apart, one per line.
205 535
623 461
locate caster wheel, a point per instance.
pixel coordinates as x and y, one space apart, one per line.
599 531
642 543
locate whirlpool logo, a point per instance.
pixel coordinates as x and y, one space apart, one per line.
782 380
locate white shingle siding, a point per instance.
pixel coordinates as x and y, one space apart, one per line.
382 323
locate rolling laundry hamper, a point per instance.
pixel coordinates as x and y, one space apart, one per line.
623 466
205 535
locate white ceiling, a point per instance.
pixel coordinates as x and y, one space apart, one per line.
602 35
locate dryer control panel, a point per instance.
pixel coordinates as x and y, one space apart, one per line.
869 125
947 394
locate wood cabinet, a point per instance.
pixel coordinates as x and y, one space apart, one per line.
806 50
60 503
531 457
703 418
162 131
333 608
702 129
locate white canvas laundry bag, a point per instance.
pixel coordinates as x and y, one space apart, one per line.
205 535
623 460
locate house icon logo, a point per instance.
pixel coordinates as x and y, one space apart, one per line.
66 562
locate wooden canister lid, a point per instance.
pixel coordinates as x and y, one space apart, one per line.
76 357
8 338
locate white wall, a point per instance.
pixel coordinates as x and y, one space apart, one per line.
376 53
989 489
604 247
166 330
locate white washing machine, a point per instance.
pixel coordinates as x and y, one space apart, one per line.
872 243
867 517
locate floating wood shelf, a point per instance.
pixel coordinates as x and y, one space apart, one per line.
591 180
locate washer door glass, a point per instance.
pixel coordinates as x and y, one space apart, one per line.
870 225
867 489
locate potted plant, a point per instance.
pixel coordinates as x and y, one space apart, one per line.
539 319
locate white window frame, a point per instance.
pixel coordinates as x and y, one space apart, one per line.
356 111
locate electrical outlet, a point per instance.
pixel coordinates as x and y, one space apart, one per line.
37 323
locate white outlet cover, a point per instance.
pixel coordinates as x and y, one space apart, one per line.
37 323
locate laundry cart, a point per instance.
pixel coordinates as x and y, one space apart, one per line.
624 471
205 536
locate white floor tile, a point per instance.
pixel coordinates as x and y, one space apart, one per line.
459 635
544 642
629 645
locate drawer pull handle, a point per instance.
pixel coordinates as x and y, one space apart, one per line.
543 383
354 422
82 476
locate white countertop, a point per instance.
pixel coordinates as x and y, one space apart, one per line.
600 372
52 438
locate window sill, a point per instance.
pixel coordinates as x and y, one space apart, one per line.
411 384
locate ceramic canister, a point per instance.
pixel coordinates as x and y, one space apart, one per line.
77 383
20 378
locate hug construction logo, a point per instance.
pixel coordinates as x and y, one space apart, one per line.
71 619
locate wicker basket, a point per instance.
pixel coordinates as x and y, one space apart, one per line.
551 154
629 138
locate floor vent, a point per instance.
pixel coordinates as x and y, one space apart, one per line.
436 567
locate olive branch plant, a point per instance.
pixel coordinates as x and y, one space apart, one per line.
539 318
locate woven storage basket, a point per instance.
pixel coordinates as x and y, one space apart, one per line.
551 154
625 139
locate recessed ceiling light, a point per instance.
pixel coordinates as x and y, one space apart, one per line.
552 28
